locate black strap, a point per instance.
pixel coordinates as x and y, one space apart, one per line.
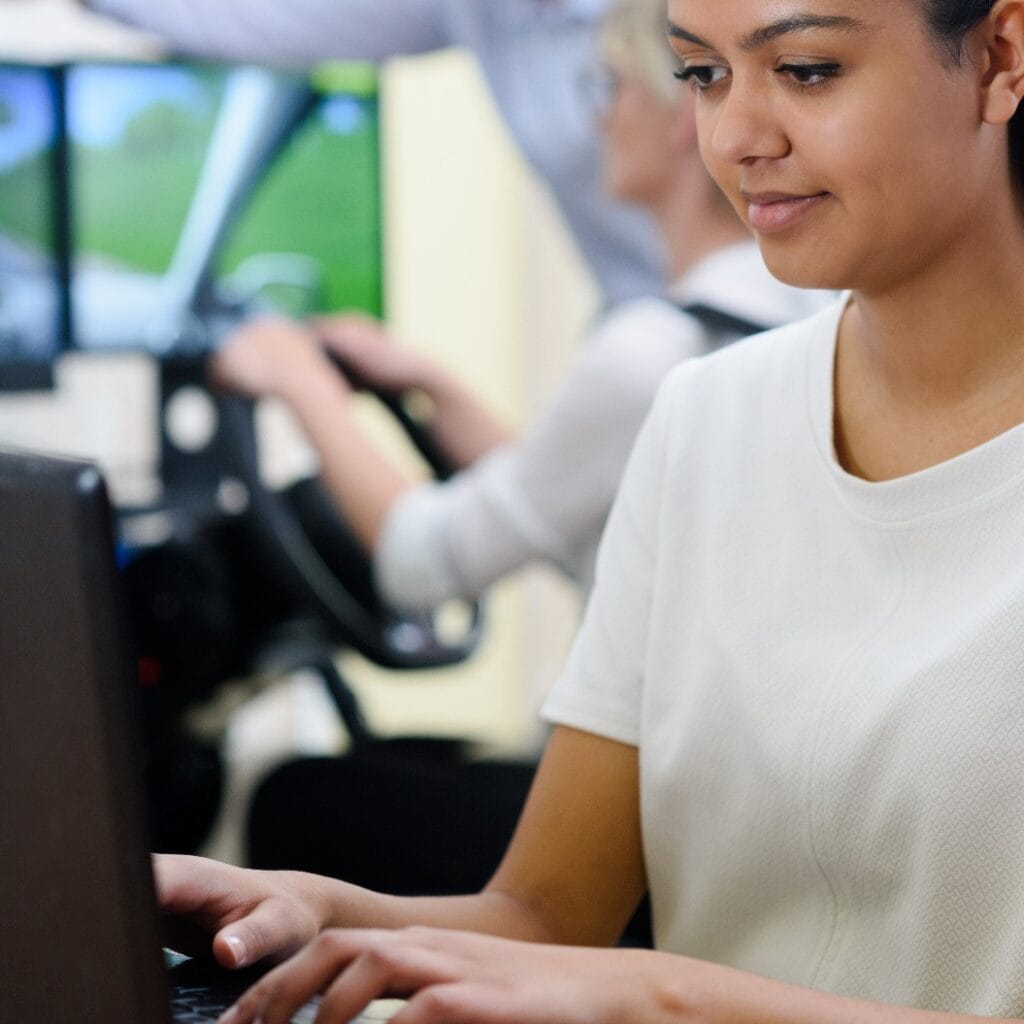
718 320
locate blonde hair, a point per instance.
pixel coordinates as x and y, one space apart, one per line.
633 41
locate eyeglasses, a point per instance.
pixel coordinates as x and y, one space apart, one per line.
598 85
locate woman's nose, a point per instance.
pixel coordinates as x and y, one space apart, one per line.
745 126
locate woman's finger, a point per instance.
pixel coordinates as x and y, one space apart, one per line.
452 1003
388 969
279 993
272 929
276 996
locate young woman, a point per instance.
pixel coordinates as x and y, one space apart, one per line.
794 712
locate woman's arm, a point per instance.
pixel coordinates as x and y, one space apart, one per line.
546 496
274 357
580 827
458 978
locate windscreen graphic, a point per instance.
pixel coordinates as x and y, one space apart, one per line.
201 195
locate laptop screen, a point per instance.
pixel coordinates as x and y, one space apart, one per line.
79 939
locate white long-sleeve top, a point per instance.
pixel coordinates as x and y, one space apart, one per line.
533 54
546 496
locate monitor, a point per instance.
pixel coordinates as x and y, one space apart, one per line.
32 293
200 194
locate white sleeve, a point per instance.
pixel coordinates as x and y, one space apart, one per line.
412 565
547 496
289 31
600 688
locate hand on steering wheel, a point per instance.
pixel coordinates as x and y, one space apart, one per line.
301 532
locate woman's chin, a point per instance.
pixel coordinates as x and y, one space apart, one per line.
801 270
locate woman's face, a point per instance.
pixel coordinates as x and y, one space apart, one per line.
853 150
640 142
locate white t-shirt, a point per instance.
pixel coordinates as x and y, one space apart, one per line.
534 55
547 496
825 680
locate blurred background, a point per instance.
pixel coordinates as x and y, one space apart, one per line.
476 269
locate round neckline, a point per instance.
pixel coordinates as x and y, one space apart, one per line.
946 489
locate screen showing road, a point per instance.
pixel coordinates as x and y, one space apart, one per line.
201 194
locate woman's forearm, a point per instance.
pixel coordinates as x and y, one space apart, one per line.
490 979
360 479
488 913
458 421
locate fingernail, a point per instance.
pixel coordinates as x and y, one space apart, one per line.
228 1015
237 947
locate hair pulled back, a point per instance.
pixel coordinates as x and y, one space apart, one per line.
951 21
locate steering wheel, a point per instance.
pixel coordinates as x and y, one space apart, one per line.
305 543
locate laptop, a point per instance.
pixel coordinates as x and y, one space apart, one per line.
80 936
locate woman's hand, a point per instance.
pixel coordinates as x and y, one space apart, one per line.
271 357
249 915
452 977
367 350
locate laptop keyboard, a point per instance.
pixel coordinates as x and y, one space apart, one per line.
200 993
202 1004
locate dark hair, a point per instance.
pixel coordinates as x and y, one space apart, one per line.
951 21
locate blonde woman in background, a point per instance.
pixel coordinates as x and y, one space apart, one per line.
545 495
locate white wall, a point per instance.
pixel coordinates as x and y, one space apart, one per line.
480 273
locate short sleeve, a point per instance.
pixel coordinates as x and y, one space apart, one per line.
600 689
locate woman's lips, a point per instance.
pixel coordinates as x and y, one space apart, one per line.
771 212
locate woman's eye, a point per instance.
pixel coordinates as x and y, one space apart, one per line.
809 74
701 76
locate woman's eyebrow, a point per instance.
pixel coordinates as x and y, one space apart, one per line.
782 27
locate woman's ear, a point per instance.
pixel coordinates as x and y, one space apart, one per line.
1003 80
